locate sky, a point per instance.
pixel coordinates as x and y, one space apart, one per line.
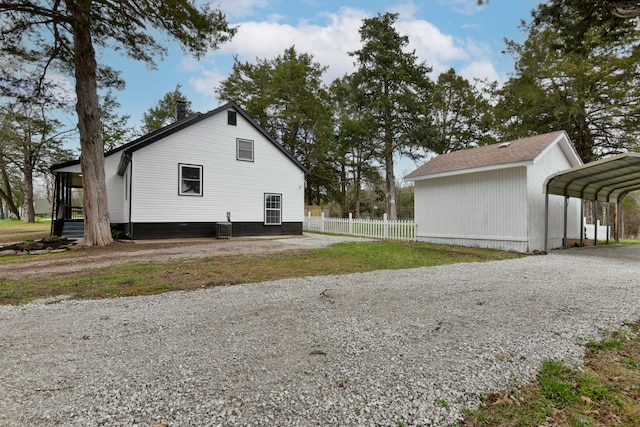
443 33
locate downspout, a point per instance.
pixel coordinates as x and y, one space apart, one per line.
130 195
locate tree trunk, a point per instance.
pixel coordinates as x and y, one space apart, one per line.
8 196
357 187
392 209
27 182
344 188
97 228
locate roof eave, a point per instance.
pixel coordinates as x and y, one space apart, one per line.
470 170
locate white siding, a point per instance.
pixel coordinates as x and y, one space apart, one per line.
229 185
115 189
485 209
550 162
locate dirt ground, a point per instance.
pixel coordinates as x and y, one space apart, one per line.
80 258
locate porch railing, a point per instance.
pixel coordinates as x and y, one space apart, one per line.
77 212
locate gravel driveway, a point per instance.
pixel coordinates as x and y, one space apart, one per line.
367 349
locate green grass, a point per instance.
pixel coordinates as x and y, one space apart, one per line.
605 392
629 242
146 278
13 231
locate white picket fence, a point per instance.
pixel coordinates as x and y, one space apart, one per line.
371 228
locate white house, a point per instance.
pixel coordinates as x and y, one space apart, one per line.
492 196
193 176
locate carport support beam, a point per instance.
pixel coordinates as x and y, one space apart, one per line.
582 229
566 207
546 222
595 222
619 227
608 221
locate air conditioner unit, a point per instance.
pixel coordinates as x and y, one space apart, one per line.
223 230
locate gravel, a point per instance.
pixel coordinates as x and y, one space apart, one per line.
373 349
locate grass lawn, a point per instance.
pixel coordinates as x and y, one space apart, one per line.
13 231
605 392
146 278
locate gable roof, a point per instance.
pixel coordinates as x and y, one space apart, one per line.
178 125
513 153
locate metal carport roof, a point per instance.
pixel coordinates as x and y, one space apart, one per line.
607 180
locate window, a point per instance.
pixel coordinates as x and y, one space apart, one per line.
232 118
273 209
190 180
244 150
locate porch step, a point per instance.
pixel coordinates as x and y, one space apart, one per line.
73 229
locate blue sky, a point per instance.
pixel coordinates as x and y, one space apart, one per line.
444 34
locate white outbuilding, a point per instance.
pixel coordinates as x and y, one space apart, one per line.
492 196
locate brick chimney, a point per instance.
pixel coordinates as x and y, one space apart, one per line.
181 109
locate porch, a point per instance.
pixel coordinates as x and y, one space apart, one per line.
68 214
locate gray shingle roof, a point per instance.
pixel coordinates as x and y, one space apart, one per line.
520 150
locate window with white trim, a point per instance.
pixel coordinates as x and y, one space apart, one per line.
190 180
273 209
244 150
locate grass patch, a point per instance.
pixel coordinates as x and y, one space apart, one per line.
147 278
605 392
629 242
13 230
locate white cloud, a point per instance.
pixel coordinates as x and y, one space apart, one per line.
406 10
480 69
438 50
331 38
241 8
329 43
466 7
207 82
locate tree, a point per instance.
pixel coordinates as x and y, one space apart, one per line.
354 149
394 88
6 189
30 141
115 128
66 33
578 71
462 116
164 112
287 98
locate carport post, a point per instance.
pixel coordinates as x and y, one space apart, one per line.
546 222
595 222
582 236
565 244
619 227
608 221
